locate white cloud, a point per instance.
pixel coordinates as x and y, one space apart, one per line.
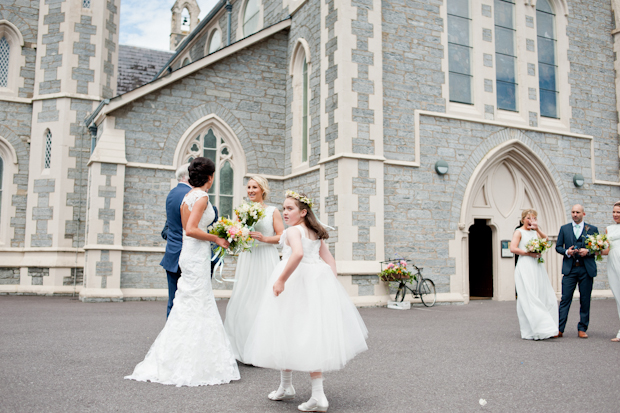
147 23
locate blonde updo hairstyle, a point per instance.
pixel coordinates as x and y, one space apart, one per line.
616 204
527 212
262 183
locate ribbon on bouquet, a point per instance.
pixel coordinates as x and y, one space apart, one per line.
219 256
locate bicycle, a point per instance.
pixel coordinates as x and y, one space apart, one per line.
424 288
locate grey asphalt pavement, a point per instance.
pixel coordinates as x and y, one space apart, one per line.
60 355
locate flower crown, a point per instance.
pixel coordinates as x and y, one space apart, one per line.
305 200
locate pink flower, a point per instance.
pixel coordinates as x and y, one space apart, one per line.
390 266
403 263
233 230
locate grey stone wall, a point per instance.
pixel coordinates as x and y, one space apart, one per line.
412 75
107 89
37 274
84 49
331 203
142 270
363 219
43 212
25 16
9 276
331 74
237 89
52 59
76 277
15 121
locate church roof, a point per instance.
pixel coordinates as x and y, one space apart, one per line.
137 66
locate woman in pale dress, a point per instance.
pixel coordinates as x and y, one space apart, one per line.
613 264
253 269
193 349
537 305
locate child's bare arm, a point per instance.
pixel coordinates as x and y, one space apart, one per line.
294 240
328 257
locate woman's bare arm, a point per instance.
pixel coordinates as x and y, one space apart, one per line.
190 220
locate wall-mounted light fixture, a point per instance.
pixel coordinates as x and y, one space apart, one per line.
441 167
578 180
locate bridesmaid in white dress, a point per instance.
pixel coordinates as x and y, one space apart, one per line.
613 265
193 349
253 269
537 305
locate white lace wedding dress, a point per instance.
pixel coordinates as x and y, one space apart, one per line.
192 349
537 305
312 325
613 263
252 276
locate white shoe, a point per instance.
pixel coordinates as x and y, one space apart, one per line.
278 395
313 405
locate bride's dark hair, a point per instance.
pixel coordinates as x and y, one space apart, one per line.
200 170
310 219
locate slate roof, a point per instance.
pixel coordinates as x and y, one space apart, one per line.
138 66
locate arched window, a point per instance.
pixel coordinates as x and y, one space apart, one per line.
1 188
300 70
86 4
215 41
251 15
5 56
547 62
505 55
185 21
459 52
185 62
210 143
47 157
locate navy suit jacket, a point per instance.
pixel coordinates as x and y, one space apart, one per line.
174 233
566 239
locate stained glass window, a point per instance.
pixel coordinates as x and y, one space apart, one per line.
47 160
250 18
505 55
459 51
547 63
209 145
5 51
215 42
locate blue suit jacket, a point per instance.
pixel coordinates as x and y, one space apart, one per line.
566 239
174 234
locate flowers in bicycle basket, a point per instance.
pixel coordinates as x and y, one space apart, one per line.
396 271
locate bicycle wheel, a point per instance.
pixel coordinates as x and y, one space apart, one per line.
400 294
427 292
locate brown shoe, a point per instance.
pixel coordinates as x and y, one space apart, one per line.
559 335
582 334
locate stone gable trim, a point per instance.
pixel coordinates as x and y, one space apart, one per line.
183 72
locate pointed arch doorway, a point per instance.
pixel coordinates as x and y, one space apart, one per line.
508 180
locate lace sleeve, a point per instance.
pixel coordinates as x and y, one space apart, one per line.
193 196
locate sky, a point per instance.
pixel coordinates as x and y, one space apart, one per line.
146 23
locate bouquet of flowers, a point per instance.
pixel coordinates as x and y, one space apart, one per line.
538 246
596 243
234 232
396 271
250 213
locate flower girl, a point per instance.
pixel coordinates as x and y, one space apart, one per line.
306 321
253 269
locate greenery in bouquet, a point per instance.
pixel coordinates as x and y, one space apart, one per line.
237 235
595 244
538 246
250 213
396 271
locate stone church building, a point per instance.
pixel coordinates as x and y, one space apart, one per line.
420 128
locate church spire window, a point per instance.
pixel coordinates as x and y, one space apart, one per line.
5 54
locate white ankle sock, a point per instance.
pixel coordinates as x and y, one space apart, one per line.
286 379
317 391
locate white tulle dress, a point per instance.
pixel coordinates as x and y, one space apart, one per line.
252 277
312 325
613 264
537 305
193 348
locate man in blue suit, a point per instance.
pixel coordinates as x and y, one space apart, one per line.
578 267
173 232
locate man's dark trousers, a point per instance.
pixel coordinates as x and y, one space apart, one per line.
577 275
173 279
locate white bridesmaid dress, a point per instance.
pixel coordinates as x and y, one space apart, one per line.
192 349
613 264
312 325
537 305
252 277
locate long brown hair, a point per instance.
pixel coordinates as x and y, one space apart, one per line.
310 219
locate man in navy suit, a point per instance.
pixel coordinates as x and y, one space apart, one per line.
578 267
173 232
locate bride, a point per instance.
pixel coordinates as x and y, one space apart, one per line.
537 305
193 349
